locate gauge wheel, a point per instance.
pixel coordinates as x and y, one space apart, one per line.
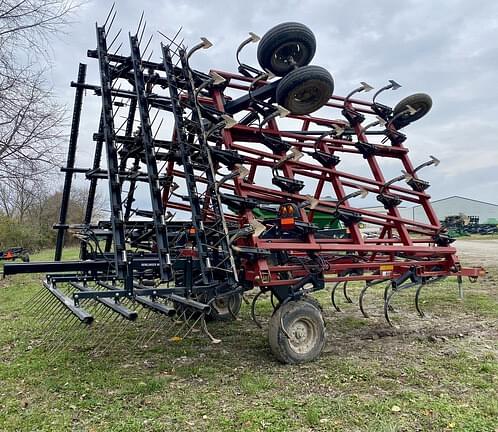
421 102
285 47
305 90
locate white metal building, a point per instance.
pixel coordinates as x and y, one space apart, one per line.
455 205
451 206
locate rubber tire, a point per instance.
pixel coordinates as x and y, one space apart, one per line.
291 87
313 301
289 313
281 35
225 315
420 101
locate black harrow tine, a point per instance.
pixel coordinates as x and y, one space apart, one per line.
172 41
141 330
66 335
54 316
109 14
74 335
140 23
191 327
47 337
118 48
30 303
147 45
42 305
177 336
50 310
118 334
121 310
106 316
107 335
178 321
114 40
168 325
69 304
158 327
37 303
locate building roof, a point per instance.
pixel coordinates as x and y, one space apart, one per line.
460 197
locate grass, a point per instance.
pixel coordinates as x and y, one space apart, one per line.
429 374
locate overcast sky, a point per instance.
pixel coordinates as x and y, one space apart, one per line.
448 49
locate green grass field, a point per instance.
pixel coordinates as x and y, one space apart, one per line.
437 373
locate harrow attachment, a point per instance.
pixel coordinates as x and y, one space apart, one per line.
221 183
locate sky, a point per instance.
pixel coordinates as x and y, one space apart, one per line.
448 49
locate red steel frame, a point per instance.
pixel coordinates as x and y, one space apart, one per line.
381 258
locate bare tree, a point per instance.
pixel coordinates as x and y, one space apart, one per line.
29 24
31 121
20 194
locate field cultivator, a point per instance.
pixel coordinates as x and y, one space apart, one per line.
220 183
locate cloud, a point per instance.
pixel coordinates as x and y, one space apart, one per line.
447 48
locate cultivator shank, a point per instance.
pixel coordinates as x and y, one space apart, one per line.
219 183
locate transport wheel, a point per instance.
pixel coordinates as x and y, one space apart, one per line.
305 90
297 332
313 301
220 310
25 258
420 101
286 46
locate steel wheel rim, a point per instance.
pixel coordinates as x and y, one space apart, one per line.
285 51
302 335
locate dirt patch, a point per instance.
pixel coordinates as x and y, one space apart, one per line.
478 252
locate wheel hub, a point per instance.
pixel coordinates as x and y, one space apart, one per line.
302 335
288 51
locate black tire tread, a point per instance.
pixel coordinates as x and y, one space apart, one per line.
279 35
301 75
413 100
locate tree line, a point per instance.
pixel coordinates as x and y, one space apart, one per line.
33 123
28 210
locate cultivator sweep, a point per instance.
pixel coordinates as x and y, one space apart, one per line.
220 183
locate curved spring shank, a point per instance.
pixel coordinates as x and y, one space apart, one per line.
253 309
360 299
395 289
386 291
417 304
364 291
272 299
386 307
345 292
419 289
